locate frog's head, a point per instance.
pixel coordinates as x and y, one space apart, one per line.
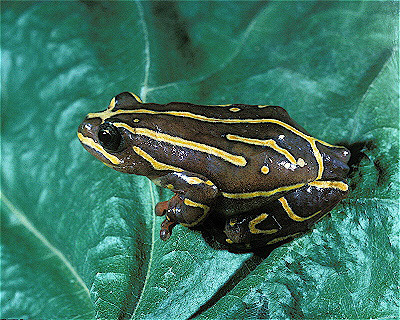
103 136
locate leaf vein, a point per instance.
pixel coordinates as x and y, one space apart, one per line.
144 89
148 272
28 225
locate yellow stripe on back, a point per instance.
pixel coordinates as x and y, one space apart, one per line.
267 143
163 137
330 184
249 195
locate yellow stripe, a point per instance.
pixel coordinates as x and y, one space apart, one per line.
163 166
267 143
155 164
234 159
194 180
208 182
330 184
257 220
232 222
97 147
318 157
248 195
290 212
112 104
191 203
136 97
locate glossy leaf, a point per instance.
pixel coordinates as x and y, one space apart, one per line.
80 240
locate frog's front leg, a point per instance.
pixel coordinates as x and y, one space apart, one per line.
194 196
286 217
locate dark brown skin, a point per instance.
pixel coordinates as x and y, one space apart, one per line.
252 165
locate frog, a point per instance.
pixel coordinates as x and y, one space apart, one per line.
252 166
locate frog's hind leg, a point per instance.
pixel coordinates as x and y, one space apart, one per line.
286 217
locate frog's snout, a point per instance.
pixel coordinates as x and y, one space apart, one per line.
88 128
82 129
87 135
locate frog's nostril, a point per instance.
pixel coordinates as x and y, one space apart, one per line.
83 128
87 128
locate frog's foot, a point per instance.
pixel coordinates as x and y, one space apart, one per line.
171 209
180 210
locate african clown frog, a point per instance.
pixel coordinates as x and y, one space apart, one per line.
251 165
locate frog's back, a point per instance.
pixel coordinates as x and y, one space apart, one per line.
230 115
241 148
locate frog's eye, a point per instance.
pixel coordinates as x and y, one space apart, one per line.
110 138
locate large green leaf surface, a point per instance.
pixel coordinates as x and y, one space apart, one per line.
79 240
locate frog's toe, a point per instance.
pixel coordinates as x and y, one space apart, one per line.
166 229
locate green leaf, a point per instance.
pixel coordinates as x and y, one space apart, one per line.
79 240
